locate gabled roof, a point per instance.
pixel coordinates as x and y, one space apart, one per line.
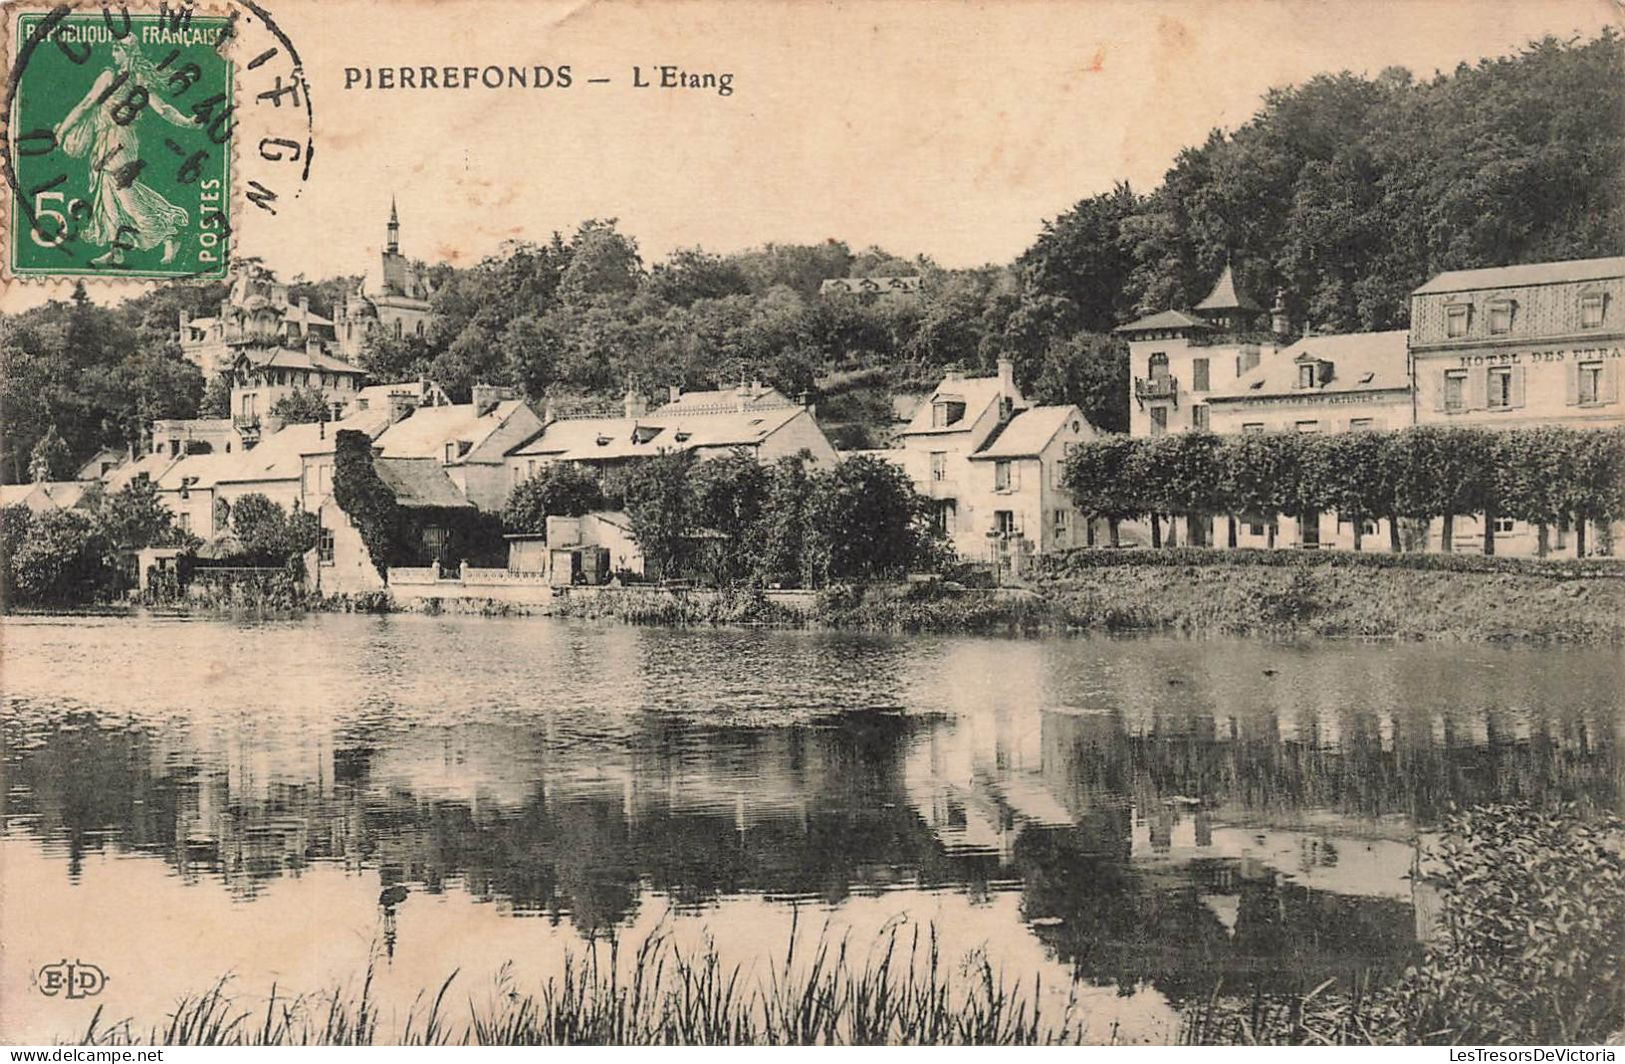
152 464
871 285
196 471
1164 319
1533 273
280 455
296 358
45 494
1224 295
598 439
977 393
426 431
420 483
1029 432
1361 362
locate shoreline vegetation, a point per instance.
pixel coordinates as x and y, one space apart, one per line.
1536 965
1191 591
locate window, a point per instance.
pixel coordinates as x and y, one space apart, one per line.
1255 528
398 329
946 412
1306 375
1004 522
939 466
1358 424
1250 428
1591 309
1455 390
185 520
1308 426
324 546
1159 420
530 467
1500 388
451 451
1501 317
1157 366
1199 418
1199 375
1063 527
1590 382
1004 475
1505 526
1457 319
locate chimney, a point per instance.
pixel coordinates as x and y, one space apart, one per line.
1007 376
674 393
1280 324
952 373
486 397
742 397
304 311
186 320
401 405
549 415
634 405
805 399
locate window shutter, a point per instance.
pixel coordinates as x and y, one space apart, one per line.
1517 386
1610 381
1015 476
1571 380
1438 392
1478 389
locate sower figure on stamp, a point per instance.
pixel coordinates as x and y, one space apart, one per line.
124 214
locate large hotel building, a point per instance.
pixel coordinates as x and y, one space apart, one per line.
1512 346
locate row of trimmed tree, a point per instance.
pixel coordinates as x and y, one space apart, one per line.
1545 476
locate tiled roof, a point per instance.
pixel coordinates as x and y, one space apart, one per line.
1530 274
977 393
1029 432
45 495
420 483
871 285
596 439
297 358
1361 362
1164 319
721 401
426 431
152 464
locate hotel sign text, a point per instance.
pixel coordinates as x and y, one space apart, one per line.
1535 358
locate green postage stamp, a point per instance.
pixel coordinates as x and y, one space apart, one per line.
119 143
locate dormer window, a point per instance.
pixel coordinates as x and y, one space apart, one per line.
1593 309
1313 372
1501 311
1458 318
947 411
645 433
1306 375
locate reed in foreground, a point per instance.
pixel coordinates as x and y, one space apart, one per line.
822 993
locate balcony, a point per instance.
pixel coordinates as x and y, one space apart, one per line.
246 422
1150 388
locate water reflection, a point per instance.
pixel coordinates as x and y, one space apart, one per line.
1166 812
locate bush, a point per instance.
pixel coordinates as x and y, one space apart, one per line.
1060 564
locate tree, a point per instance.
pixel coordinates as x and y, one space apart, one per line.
50 460
691 274
1099 478
1090 371
1349 472
302 406
864 521
730 496
57 556
1261 476
781 540
560 489
134 517
660 506
216 400
604 263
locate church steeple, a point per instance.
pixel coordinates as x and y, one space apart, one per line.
392 243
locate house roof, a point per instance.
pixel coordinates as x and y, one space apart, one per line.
427 430
977 393
1029 432
279 456
1361 362
598 439
152 464
297 358
196 471
420 483
1164 319
91 469
45 494
870 285
1534 273
1224 295
725 400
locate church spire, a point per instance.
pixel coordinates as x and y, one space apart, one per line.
392 245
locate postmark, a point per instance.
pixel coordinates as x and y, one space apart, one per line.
123 132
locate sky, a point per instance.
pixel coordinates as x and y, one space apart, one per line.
922 126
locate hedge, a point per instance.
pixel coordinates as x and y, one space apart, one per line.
1062 563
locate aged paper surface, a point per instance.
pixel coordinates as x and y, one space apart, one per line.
312 753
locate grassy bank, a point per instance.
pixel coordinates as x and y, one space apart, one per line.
1273 593
901 991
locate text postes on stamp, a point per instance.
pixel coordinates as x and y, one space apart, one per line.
119 147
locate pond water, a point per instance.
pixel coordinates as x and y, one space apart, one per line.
1130 820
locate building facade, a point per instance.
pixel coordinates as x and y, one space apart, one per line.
391 300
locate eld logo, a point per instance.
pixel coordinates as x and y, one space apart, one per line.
76 980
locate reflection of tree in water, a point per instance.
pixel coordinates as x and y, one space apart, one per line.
1128 926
